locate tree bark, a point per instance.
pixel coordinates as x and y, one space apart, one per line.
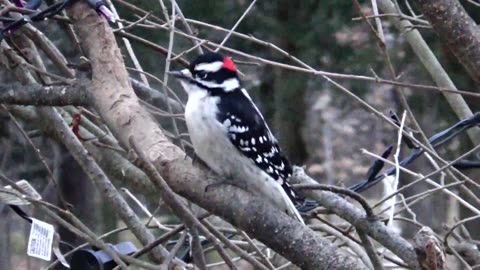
457 30
39 95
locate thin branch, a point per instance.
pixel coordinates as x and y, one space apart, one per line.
257 250
371 252
165 12
240 252
396 157
198 45
197 249
433 183
135 8
429 175
128 45
145 210
166 264
51 177
235 25
151 45
362 201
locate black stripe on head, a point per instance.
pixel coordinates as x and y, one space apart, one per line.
205 58
221 75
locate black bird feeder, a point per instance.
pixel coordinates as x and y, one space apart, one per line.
90 259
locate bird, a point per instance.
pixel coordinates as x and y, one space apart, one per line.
229 133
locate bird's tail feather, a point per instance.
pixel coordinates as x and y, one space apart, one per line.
291 209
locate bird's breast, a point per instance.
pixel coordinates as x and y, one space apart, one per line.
208 136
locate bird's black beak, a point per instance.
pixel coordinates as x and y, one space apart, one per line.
183 74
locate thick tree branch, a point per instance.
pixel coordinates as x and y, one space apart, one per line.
469 252
256 217
76 94
154 96
116 102
376 229
457 30
39 95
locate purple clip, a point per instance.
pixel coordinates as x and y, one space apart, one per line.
107 13
19 3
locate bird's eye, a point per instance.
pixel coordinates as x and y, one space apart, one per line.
202 74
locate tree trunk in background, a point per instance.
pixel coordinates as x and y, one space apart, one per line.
457 30
109 219
286 123
290 87
79 192
289 115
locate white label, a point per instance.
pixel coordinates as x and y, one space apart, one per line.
25 186
8 195
40 241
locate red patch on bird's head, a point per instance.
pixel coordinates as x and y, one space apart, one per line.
228 64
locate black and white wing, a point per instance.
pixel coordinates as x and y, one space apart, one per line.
250 134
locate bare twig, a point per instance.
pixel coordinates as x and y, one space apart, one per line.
51 176
240 252
396 157
128 46
145 210
335 189
257 250
433 183
166 264
370 249
197 249
198 45
235 25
